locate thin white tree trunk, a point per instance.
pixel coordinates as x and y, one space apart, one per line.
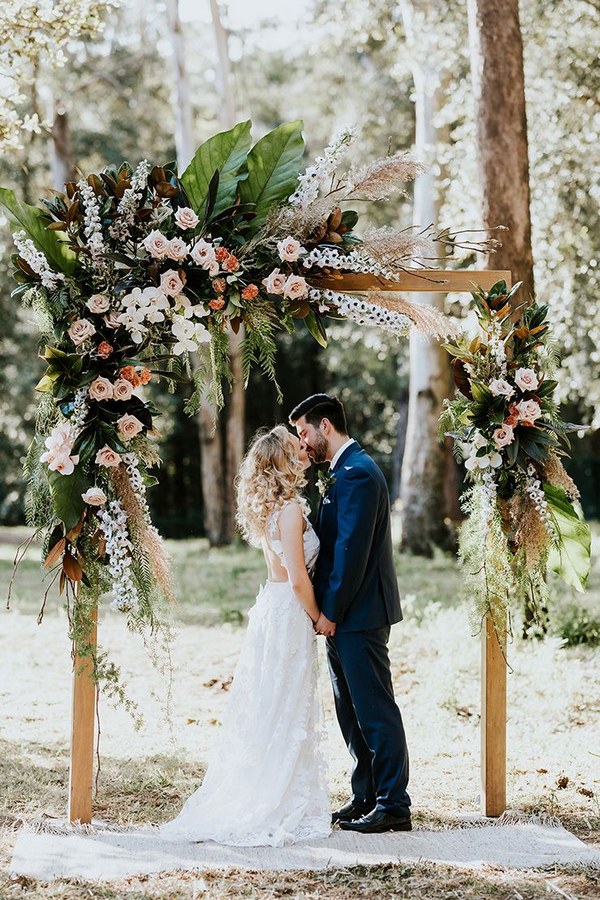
236 406
424 466
211 445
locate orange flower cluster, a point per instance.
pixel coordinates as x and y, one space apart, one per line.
217 303
250 292
105 349
136 379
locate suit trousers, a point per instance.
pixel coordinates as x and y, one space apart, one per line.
369 718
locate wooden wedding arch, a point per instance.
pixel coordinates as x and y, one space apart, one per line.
493 645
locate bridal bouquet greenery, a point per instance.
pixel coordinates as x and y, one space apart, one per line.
135 274
521 508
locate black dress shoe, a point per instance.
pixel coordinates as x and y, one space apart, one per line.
349 812
376 821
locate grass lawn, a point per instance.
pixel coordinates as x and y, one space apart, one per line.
553 749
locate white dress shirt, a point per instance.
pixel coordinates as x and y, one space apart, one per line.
340 451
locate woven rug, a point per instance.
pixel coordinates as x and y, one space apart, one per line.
105 854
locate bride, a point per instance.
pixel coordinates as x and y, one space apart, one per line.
266 782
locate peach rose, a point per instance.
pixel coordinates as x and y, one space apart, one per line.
122 389
156 244
98 303
526 379
503 436
231 263
129 426
107 457
529 411
289 249
80 331
275 282
295 288
94 496
177 249
250 292
101 389
171 283
186 218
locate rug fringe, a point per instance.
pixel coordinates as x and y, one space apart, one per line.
48 825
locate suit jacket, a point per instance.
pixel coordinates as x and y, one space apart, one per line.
355 580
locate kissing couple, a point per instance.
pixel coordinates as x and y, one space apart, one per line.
266 782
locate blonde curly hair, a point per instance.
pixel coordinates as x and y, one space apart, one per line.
270 475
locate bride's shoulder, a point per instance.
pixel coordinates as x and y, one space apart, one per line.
293 512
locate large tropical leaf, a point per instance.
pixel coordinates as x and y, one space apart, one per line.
227 152
66 491
273 166
571 557
30 219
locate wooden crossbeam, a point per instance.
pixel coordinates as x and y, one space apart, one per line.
415 280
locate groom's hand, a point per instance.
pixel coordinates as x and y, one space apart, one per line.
324 626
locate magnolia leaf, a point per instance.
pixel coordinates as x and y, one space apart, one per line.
570 558
55 553
316 328
226 153
66 491
273 166
31 220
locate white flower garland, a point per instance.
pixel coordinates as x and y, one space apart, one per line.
36 261
113 520
309 182
129 202
92 224
359 310
535 491
80 410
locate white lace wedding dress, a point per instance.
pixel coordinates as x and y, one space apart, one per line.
266 782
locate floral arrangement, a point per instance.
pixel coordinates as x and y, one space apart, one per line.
521 513
139 275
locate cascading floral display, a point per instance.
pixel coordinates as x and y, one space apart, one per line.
507 428
137 274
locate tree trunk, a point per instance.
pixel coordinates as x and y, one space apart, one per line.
62 161
236 407
423 488
499 87
211 444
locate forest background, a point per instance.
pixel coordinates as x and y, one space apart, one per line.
124 92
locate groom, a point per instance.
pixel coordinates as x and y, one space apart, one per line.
357 591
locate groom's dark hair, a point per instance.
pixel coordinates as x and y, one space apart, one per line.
318 407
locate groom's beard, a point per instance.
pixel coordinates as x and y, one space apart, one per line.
317 451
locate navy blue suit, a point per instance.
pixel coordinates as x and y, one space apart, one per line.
356 587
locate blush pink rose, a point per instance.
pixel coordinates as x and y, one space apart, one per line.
129 426
501 388
107 457
122 389
94 496
295 287
101 389
186 217
289 249
503 436
177 250
170 283
275 282
526 379
528 411
80 331
156 244
98 303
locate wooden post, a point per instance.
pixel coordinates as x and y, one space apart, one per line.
81 773
493 720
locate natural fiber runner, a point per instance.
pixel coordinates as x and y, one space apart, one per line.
106 854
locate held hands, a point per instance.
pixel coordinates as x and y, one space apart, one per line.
324 626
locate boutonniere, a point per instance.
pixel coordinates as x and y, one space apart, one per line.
325 481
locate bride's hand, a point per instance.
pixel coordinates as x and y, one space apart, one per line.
324 626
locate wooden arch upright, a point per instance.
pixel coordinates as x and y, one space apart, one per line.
493 647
